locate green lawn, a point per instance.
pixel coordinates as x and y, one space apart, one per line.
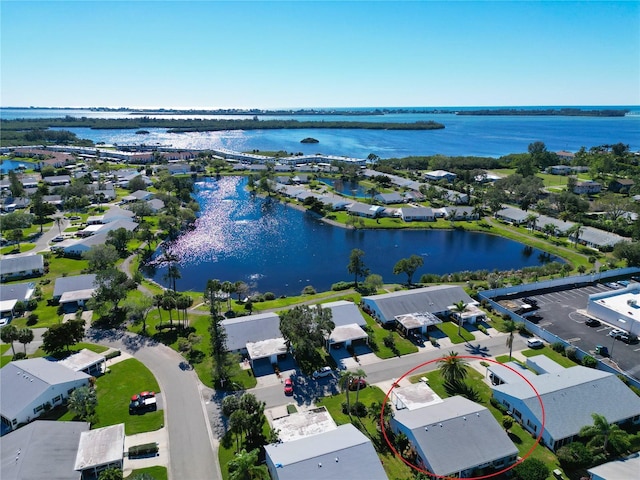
393 466
24 247
114 392
403 345
4 359
552 354
157 473
450 329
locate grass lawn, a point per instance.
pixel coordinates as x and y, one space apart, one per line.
4 359
393 466
24 247
76 348
157 473
403 345
450 329
552 354
114 391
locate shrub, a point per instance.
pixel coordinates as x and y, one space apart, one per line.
112 354
575 455
183 344
145 449
389 341
483 329
497 405
32 319
308 290
359 409
531 469
269 296
342 286
589 361
558 347
572 353
19 356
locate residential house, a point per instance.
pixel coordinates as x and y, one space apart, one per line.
570 396
349 324
21 267
621 185
437 175
566 156
455 197
417 214
86 361
57 180
460 213
512 215
13 293
587 187
620 468
156 205
595 238
559 169
28 388
76 289
75 247
363 210
42 450
340 453
437 300
100 449
178 168
389 198
138 195
450 438
256 336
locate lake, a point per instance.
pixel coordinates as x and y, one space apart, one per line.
279 249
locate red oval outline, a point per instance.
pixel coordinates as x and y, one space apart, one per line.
474 357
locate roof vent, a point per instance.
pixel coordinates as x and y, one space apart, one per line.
319 464
465 418
440 425
477 414
337 459
426 429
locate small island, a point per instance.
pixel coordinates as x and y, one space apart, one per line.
309 140
142 132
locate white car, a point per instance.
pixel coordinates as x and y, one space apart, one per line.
323 372
616 333
534 343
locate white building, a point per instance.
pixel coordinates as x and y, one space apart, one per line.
620 308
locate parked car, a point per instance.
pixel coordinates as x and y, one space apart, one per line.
530 301
57 238
602 350
617 333
143 402
323 372
288 387
592 322
357 384
534 342
627 338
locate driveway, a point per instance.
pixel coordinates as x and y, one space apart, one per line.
192 448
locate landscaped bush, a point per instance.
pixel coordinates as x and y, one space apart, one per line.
32 319
19 356
496 404
145 449
558 347
112 354
269 296
589 361
342 286
483 329
308 290
575 455
572 354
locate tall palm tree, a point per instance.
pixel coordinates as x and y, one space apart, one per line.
245 466
510 327
169 303
532 220
157 302
9 334
602 433
575 232
344 382
459 308
359 374
25 335
453 368
227 288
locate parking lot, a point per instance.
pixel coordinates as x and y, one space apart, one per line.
561 313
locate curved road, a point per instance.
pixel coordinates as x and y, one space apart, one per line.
192 451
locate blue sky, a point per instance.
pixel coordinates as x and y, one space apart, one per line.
273 54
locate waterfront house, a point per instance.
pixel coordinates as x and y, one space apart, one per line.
57 180
460 213
256 336
389 198
417 214
364 210
437 175
348 324
595 238
512 215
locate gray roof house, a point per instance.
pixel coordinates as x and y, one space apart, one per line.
342 453
77 288
417 214
450 438
257 335
42 450
595 238
388 198
13 293
19 267
28 386
364 210
627 467
569 397
348 323
513 215
436 300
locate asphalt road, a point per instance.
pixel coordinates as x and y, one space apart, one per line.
191 452
307 390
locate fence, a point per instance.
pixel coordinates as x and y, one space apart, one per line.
540 332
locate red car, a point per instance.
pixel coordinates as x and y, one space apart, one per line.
357 384
288 387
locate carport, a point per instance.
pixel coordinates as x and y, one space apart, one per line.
346 334
78 297
267 349
420 321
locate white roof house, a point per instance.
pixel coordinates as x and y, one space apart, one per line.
569 397
100 449
28 386
75 283
26 266
450 437
627 467
348 323
341 453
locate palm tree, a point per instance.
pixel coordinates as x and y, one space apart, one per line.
245 466
58 221
211 295
345 381
459 308
9 334
359 374
372 192
532 220
182 303
169 303
549 229
453 368
227 288
238 422
575 232
602 433
25 335
510 327
157 302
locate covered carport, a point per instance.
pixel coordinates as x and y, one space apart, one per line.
346 335
416 323
270 349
